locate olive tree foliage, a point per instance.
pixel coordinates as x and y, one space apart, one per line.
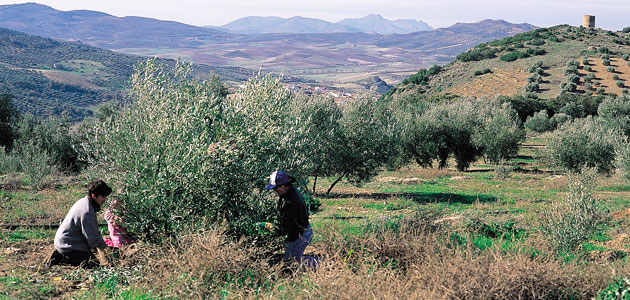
51 135
615 112
321 115
182 152
465 130
366 140
540 122
575 218
500 131
35 162
8 117
445 130
622 162
407 111
584 143
41 148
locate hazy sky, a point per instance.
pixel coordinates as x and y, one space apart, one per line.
610 14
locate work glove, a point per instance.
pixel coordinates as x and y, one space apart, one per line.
103 256
264 226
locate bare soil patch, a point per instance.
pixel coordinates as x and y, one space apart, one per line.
605 77
70 78
506 82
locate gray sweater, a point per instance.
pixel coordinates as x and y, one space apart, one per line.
79 230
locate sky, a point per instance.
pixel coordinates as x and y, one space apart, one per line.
610 14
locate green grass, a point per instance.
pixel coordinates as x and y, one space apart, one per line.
492 214
19 206
78 66
391 205
615 188
527 159
26 234
15 287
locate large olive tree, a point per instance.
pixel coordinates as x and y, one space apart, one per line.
182 152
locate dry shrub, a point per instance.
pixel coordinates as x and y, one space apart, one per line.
576 218
494 275
418 262
461 276
403 259
202 265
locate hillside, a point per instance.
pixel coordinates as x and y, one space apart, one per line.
49 76
506 66
332 59
103 30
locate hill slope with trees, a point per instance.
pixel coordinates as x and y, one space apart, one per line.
543 63
48 77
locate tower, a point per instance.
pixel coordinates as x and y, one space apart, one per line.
589 21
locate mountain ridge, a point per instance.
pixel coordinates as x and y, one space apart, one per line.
375 23
297 24
371 24
99 28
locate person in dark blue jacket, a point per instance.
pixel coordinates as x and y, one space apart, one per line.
292 218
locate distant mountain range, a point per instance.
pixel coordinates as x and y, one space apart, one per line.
350 58
120 33
374 24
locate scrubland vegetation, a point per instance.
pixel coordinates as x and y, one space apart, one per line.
411 197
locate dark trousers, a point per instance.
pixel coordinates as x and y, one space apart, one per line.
74 258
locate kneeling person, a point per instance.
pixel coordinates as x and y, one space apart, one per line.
78 234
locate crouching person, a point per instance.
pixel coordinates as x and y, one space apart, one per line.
78 237
292 218
118 236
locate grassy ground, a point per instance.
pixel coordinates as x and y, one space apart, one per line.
411 233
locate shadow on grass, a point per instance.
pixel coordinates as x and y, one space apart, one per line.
518 169
523 157
422 198
485 170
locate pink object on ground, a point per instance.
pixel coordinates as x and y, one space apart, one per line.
108 242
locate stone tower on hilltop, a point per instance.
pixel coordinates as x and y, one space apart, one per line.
589 21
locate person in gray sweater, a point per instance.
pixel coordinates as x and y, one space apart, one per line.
78 235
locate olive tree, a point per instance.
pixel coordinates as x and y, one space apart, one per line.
367 142
500 131
320 115
584 143
466 130
540 122
450 126
8 117
183 153
615 113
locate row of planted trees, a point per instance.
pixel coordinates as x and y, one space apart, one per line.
183 153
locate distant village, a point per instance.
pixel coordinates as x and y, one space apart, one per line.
339 97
